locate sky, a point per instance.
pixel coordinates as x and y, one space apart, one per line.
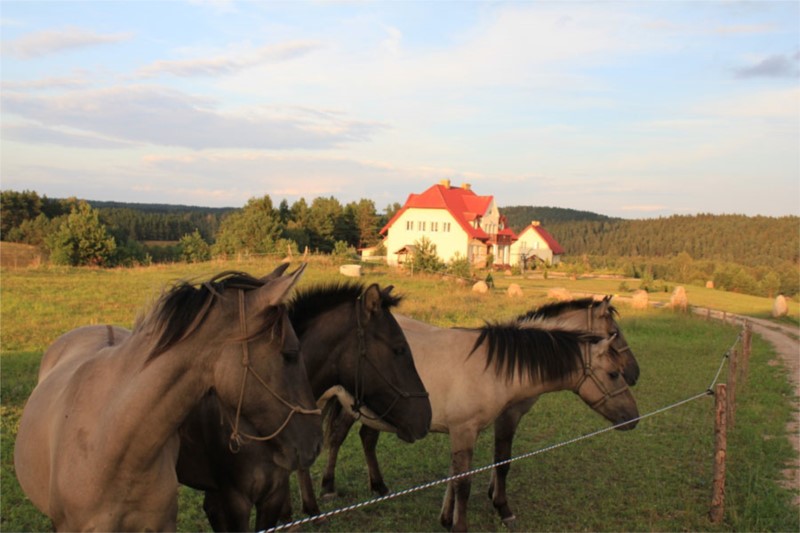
632 109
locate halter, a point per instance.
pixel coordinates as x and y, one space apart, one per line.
361 377
235 441
589 373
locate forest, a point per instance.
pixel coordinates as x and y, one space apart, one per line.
755 255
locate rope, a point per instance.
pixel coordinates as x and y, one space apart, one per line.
411 490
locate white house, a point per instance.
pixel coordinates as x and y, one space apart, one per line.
455 219
535 243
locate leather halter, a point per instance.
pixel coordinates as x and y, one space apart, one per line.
589 373
235 440
361 377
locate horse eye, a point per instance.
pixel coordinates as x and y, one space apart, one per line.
400 351
613 375
291 355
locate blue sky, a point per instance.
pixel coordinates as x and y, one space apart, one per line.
633 109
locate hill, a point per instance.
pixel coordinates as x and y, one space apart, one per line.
519 216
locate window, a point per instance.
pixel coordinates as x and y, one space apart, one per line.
434 226
409 225
420 226
446 226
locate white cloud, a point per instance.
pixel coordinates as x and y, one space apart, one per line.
48 42
166 117
230 63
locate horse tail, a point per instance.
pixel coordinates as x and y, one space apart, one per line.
331 414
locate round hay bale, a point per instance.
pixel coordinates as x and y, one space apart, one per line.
640 299
678 299
353 271
514 291
508 272
480 287
559 293
780 308
709 284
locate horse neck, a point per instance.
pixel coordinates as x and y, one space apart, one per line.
160 393
325 340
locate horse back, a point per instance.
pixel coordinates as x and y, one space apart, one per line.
80 344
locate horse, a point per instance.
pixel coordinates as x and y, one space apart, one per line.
354 350
597 316
98 437
529 358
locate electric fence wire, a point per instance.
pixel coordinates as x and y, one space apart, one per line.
708 392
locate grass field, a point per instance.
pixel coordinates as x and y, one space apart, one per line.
655 478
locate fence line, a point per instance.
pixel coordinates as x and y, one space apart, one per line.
708 392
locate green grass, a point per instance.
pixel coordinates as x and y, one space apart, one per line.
655 478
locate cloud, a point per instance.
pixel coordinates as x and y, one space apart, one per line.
35 134
44 43
774 66
229 64
166 117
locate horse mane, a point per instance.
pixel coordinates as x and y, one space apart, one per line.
181 310
310 302
555 309
535 352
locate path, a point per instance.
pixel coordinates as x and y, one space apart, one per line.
787 347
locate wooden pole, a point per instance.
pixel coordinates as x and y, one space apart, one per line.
733 364
746 346
720 454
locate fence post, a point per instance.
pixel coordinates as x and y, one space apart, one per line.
720 454
733 364
747 335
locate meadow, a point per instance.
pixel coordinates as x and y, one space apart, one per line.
654 478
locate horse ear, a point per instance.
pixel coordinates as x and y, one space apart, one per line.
602 346
371 300
387 290
605 303
275 274
274 291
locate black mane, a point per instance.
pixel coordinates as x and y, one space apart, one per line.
311 302
555 309
184 307
538 353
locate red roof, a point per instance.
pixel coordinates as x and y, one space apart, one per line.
552 243
463 204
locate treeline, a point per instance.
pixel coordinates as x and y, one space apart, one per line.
117 233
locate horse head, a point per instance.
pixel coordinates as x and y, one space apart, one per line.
602 386
261 378
385 378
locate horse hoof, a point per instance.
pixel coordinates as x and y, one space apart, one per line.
510 522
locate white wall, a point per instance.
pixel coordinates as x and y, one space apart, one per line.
435 221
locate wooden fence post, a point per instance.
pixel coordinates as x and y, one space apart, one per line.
733 364
720 454
747 334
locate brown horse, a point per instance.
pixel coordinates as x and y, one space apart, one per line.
354 350
529 358
98 438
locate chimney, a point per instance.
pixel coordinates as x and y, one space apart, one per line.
535 223
445 183
466 186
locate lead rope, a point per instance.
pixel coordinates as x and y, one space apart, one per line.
235 440
588 372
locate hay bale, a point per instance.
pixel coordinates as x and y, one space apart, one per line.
559 293
709 284
508 272
514 291
353 271
640 299
678 300
480 287
780 308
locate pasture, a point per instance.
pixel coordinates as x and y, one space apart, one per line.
656 477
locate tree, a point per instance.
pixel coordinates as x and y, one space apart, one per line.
366 221
82 240
255 229
193 248
16 208
425 257
323 217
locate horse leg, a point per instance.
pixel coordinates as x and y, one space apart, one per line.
227 510
271 507
505 427
338 429
454 509
369 441
310 506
